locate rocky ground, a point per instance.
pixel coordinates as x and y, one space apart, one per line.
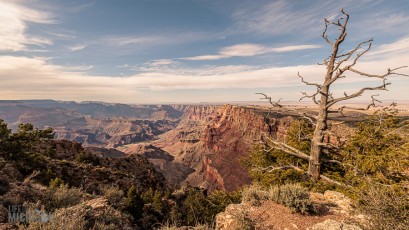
334 213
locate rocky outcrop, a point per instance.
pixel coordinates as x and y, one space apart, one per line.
91 213
96 170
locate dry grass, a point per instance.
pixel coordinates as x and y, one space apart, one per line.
63 197
114 195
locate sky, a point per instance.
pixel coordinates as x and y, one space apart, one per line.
191 51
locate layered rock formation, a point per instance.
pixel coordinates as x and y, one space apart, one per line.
212 140
92 123
112 132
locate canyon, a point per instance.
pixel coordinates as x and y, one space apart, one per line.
200 145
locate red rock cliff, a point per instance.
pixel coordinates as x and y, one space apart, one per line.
213 139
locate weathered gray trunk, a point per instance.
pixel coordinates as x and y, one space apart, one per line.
314 166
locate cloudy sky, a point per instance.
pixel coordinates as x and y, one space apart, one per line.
181 51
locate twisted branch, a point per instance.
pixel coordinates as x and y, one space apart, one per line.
275 104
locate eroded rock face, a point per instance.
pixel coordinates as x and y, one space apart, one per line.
174 172
212 140
113 132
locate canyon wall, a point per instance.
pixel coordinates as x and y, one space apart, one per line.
212 140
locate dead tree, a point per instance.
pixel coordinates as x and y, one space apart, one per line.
337 65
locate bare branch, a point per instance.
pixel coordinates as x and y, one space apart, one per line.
309 118
324 36
288 149
275 168
343 27
359 55
372 104
389 72
349 55
331 180
357 94
312 96
275 104
328 146
290 166
325 62
308 83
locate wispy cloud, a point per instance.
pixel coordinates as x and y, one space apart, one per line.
77 47
277 18
285 17
63 35
248 50
160 62
400 46
163 38
159 65
132 40
79 68
383 22
13 26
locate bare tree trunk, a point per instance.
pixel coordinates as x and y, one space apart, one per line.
314 166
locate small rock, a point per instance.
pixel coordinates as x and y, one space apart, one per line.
232 217
343 202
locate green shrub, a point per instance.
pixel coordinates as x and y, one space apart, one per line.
134 203
293 196
154 198
22 146
192 206
56 182
386 206
254 195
